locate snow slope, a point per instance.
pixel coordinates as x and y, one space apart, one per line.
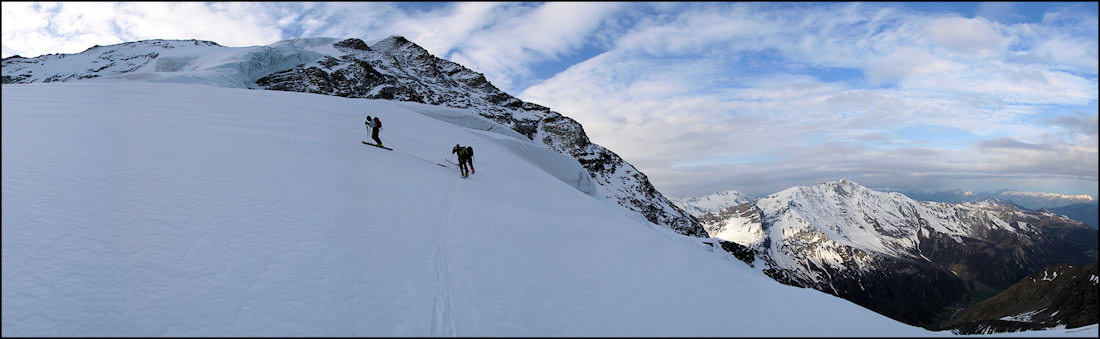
144 209
139 209
393 68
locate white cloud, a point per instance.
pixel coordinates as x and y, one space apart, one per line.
72 27
442 30
20 16
999 11
908 62
506 49
1069 53
974 37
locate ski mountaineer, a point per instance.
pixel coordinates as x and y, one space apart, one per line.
374 125
465 159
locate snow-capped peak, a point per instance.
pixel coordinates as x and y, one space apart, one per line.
713 202
992 203
853 215
395 42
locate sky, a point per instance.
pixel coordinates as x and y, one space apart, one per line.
713 96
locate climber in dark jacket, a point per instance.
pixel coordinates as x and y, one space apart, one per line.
465 159
375 125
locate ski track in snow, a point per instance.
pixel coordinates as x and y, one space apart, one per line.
442 319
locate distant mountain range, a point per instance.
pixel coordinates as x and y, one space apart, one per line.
1029 200
1086 213
917 262
1082 208
698 206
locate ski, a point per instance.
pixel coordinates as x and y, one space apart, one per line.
377 145
457 166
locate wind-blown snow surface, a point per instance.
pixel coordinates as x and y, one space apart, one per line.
159 209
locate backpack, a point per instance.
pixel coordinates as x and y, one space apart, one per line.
377 123
465 152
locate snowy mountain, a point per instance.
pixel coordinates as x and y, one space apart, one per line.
913 261
159 209
714 202
392 68
1057 295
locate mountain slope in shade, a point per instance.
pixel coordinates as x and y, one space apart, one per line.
1057 295
1086 213
913 261
392 68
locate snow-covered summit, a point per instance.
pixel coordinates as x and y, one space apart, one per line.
992 203
848 240
714 202
103 61
887 223
853 215
391 68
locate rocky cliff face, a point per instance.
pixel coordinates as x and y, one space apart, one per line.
393 69
917 262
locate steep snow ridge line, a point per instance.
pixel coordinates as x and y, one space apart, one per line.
560 166
462 118
442 319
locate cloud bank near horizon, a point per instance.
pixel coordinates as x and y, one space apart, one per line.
706 97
